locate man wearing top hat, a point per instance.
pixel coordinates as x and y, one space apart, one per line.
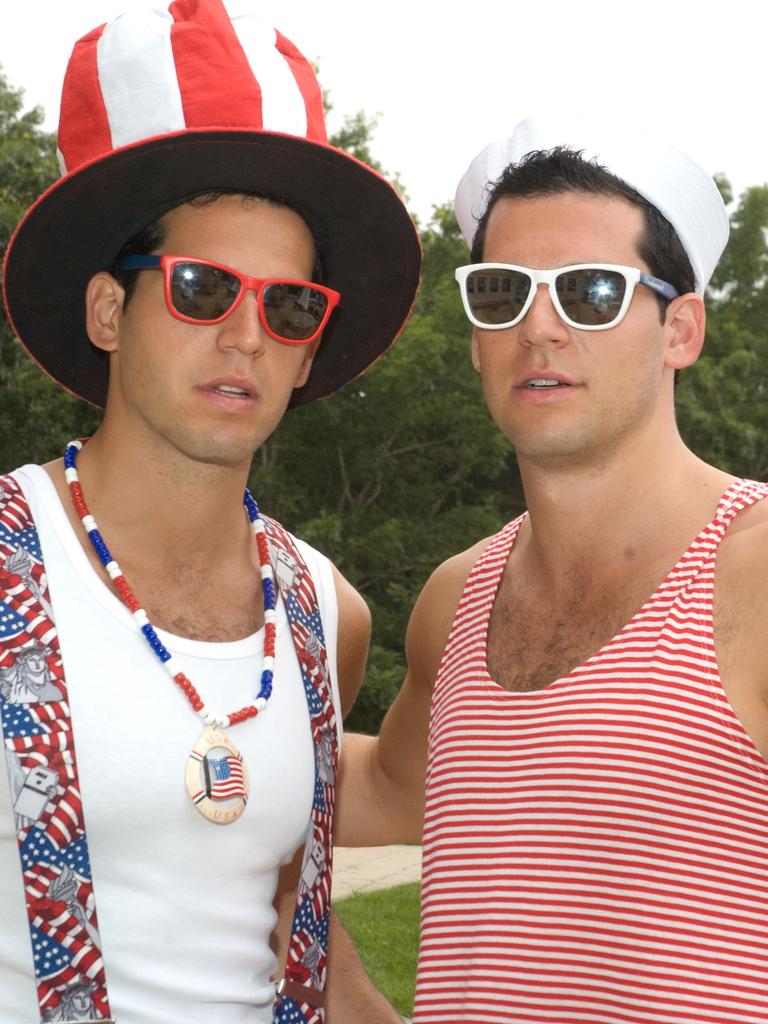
596 817
173 667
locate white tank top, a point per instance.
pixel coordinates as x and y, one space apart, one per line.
184 906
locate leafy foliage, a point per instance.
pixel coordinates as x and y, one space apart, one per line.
723 398
36 417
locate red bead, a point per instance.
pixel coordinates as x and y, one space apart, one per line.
189 690
78 501
243 715
125 593
263 548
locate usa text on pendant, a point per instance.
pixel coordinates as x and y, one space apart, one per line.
217 779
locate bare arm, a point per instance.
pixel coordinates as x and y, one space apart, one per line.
353 637
381 781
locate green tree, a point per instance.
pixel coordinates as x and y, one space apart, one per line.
36 417
723 398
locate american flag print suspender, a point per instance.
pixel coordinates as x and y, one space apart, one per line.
301 991
42 769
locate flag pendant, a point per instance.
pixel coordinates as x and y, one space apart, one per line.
217 779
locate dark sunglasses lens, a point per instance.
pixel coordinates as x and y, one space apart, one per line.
590 296
497 296
201 292
294 311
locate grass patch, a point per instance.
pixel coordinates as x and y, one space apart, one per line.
384 926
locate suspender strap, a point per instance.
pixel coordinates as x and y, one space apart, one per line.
42 770
301 991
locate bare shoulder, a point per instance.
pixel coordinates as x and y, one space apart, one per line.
434 612
743 559
353 637
741 590
353 608
741 620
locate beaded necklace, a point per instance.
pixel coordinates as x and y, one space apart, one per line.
216 776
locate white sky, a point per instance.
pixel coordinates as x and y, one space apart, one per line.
447 77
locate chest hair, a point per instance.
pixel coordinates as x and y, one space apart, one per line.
213 608
535 637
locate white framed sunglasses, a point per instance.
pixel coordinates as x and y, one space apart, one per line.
588 296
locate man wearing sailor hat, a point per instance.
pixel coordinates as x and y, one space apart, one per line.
587 690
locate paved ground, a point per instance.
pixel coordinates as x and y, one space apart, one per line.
365 868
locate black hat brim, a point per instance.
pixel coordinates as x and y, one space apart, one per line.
372 254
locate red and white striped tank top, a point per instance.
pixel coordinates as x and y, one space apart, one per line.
596 851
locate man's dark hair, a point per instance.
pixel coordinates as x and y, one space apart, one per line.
151 237
559 170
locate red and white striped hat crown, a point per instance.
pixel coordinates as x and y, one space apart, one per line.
150 73
158 106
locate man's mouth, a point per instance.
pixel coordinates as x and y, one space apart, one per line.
231 391
545 382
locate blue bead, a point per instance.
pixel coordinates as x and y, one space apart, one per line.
250 506
268 588
101 548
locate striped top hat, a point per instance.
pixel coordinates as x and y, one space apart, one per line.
160 106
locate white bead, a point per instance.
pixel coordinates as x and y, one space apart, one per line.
260 703
170 667
269 663
76 444
141 617
270 616
113 569
266 572
210 718
89 523
70 475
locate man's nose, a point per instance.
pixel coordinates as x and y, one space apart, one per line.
542 325
243 328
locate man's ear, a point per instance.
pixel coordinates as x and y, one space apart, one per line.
475 352
104 299
684 330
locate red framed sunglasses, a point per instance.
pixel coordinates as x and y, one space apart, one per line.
203 292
